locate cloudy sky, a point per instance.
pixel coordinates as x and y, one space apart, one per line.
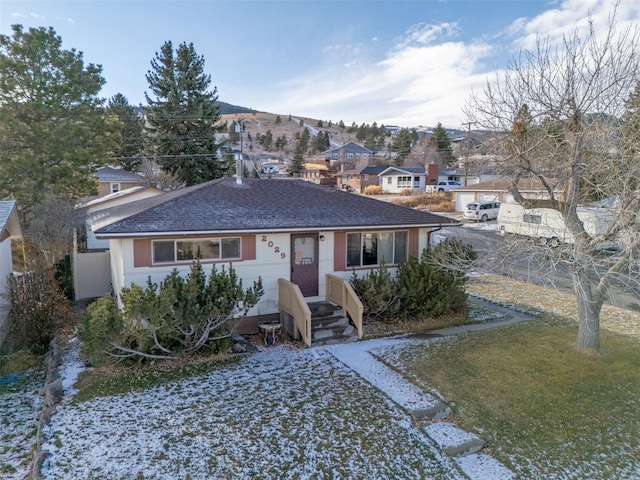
406 63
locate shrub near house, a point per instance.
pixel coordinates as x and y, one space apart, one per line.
427 288
176 318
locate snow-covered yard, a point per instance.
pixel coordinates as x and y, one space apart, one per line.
19 400
280 413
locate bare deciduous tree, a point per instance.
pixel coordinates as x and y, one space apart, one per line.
557 112
51 227
157 178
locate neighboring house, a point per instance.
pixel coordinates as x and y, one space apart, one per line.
498 190
112 180
112 200
358 179
9 229
352 153
399 179
314 172
286 231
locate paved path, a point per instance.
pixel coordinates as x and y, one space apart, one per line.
462 446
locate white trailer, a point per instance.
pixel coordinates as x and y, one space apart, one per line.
547 224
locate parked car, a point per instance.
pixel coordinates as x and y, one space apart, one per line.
448 185
481 211
270 169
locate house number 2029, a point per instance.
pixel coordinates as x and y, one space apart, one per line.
276 248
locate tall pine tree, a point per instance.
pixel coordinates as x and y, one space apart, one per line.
53 127
442 143
182 115
131 132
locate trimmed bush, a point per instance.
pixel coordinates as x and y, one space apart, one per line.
429 287
175 318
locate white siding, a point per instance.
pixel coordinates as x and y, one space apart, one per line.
91 275
462 199
6 267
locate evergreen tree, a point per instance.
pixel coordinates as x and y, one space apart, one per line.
131 131
183 114
297 163
266 140
54 130
402 144
442 143
278 120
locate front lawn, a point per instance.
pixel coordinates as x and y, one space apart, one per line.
281 413
545 410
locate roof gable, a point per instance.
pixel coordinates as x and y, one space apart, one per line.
403 171
110 174
352 147
256 205
9 221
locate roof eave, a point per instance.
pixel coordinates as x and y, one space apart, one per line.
186 233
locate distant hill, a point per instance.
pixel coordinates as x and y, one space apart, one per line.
227 108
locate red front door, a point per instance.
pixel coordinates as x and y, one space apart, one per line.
304 263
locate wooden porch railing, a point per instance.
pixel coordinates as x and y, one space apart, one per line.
341 293
292 302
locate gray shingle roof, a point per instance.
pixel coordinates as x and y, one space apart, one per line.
9 219
256 205
110 174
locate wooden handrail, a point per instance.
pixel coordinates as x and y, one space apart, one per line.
340 292
291 301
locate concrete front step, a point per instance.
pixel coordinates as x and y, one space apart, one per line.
338 327
329 325
324 309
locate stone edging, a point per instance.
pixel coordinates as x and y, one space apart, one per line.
52 394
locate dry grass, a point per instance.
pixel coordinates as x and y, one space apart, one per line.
528 296
373 190
434 202
259 122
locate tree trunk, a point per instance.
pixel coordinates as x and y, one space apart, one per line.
590 303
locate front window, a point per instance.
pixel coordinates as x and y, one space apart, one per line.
404 182
375 248
115 187
172 251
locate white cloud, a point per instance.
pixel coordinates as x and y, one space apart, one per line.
428 75
575 16
420 82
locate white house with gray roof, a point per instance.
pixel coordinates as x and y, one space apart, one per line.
296 235
400 179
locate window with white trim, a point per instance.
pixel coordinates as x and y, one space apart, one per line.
186 250
115 187
404 181
375 248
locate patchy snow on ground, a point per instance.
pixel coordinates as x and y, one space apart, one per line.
279 413
19 402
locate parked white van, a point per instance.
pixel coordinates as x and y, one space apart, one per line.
481 211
